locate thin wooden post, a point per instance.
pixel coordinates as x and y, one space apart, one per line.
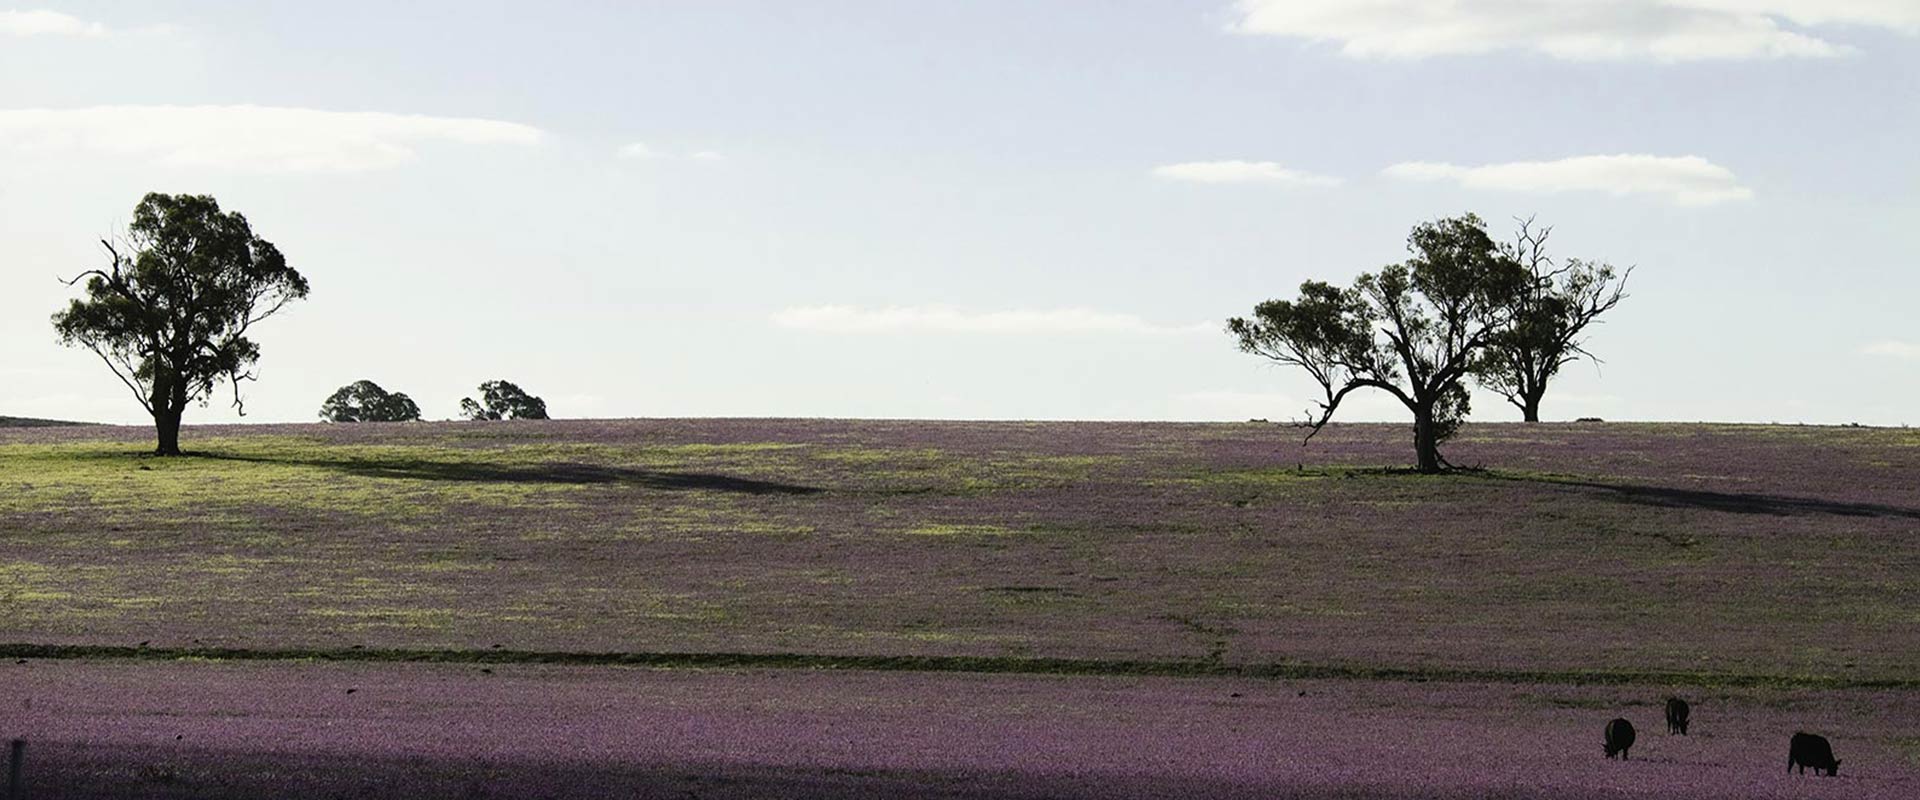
16 764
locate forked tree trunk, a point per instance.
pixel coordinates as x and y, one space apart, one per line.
166 424
1526 397
169 403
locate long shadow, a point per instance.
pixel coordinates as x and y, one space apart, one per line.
1729 502
572 473
23 652
68 770
59 769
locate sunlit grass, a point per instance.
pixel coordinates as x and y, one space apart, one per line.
1599 546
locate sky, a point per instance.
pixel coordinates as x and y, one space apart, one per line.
976 210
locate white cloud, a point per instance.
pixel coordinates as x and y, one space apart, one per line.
247 138
1231 405
638 150
1893 349
1575 30
642 151
1686 180
42 22
1240 172
854 319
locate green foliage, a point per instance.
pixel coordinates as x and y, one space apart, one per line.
1451 411
170 313
503 400
365 401
1548 318
1327 331
1412 330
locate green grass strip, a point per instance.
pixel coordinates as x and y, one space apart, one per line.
974 664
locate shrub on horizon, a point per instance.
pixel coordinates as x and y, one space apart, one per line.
503 400
365 401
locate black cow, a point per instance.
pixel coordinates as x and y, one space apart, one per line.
1677 711
1619 738
1809 750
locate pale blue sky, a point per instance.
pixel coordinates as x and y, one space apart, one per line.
971 209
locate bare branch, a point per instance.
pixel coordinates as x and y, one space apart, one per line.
89 273
1334 398
138 393
233 380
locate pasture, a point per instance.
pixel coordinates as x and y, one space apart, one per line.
1772 569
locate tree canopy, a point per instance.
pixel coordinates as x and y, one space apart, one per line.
503 400
365 401
1412 330
170 312
1548 320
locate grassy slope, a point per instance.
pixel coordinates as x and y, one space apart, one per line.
1778 552
30 422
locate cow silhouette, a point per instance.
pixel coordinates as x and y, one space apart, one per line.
1808 750
1619 738
1677 711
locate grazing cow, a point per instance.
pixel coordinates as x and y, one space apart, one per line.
1619 738
1677 711
1808 750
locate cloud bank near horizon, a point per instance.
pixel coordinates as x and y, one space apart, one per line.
1684 180
1664 31
248 138
1893 349
42 22
641 151
1241 172
893 319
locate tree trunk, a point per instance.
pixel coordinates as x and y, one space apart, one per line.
166 423
1426 442
1530 406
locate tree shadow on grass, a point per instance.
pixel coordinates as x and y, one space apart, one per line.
1729 502
562 473
83 771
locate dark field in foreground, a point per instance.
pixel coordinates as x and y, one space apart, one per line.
1765 552
209 730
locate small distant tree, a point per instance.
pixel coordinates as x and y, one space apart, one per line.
170 312
1548 320
1412 330
365 401
503 400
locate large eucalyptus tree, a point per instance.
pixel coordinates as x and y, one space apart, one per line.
170 312
1413 330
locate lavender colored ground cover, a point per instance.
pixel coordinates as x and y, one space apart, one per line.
116 729
1749 550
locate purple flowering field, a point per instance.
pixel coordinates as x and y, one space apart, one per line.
1770 573
173 730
